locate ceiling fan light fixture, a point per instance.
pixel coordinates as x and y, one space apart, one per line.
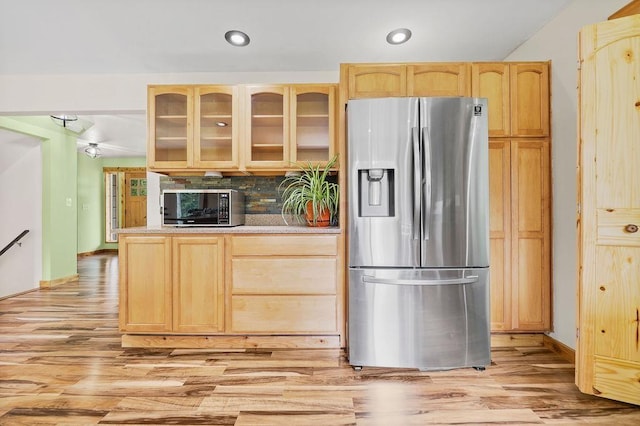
399 36
63 119
236 38
92 150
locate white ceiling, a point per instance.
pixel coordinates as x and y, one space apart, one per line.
183 36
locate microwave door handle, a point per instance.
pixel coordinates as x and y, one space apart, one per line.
417 182
426 212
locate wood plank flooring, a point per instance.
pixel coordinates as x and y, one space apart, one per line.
61 362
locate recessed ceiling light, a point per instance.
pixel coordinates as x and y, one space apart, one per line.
221 124
399 36
236 38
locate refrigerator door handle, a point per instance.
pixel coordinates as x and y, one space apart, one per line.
426 171
373 280
417 180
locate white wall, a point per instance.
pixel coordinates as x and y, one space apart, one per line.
557 41
21 208
95 94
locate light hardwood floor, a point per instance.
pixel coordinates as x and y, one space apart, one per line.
61 363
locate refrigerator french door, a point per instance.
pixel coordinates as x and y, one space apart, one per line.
418 232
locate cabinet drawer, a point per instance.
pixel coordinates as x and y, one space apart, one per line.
283 314
284 275
290 245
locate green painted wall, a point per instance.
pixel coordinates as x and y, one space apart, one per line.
91 199
59 187
91 204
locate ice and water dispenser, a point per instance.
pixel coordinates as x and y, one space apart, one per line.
375 187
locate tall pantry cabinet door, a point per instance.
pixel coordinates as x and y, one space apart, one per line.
376 81
439 79
491 80
198 284
608 351
500 233
529 99
531 234
145 283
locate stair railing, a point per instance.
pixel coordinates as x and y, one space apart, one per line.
15 241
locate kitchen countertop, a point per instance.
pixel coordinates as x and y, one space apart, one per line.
243 229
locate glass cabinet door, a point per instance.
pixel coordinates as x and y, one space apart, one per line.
268 126
312 123
169 127
215 133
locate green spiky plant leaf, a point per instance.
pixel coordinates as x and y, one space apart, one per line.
312 187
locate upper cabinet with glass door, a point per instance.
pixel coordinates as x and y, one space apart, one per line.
286 124
193 127
267 126
170 109
312 123
216 128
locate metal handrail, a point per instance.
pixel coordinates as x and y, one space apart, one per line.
14 242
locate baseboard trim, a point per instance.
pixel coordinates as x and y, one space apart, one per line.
92 253
560 348
510 340
9 296
230 341
59 281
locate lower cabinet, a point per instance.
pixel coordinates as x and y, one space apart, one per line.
145 283
284 284
198 284
171 284
232 287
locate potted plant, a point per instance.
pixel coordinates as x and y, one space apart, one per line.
310 195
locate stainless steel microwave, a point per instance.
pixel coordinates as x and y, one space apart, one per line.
202 207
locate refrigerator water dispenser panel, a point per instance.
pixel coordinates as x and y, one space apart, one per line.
376 192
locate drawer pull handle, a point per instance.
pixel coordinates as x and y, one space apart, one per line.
631 228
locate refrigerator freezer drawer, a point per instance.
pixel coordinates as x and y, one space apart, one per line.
403 318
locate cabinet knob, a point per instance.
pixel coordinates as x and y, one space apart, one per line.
631 228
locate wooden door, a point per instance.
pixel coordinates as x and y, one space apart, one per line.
376 81
608 351
530 234
529 99
500 233
135 199
145 283
439 79
491 80
198 284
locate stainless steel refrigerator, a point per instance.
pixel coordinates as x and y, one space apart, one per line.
418 230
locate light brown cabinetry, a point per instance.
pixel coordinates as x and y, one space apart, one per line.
520 234
519 175
192 127
519 169
285 284
198 284
171 284
145 283
424 79
518 97
288 123
608 350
